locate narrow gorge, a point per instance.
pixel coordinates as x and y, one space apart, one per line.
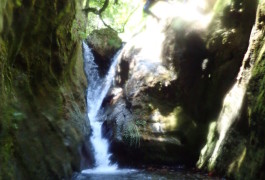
120 89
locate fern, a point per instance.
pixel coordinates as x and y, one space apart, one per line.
131 134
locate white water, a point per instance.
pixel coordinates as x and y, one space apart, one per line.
97 89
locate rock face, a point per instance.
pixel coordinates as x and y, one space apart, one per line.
242 152
170 83
42 122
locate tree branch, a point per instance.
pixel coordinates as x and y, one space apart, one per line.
89 9
127 19
95 10
102 9
105 5
105 24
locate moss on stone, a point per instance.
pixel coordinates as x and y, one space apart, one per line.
42 90
105 42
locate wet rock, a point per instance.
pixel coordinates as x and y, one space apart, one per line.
87 155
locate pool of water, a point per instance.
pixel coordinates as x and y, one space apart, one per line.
143 175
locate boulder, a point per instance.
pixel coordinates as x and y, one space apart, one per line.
146 121
171 76
104 43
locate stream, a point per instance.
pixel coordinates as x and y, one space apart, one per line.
97 89
161 174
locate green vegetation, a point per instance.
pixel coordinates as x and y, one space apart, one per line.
141 123
115 14
131 134
78 30
255 154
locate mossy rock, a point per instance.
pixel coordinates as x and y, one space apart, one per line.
104 43
41 90
241 154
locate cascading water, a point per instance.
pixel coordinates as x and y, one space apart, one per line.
97 89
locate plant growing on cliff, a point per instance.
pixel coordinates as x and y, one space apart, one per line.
131 134
78 29
141 123
9 120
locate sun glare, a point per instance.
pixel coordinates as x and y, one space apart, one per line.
192 11
152 36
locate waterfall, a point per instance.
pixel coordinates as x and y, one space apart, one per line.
97 89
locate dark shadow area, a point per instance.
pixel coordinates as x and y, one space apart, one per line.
86 152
